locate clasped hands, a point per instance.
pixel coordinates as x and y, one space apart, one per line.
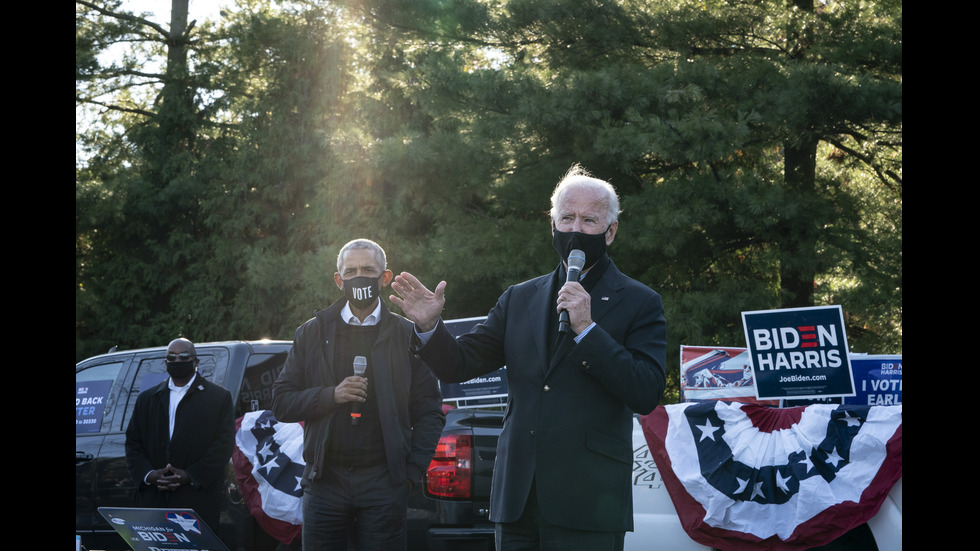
168 478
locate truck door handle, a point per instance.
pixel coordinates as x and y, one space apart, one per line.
82 457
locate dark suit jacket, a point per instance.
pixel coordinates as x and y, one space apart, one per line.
568 424
203 440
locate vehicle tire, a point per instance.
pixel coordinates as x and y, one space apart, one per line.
857 539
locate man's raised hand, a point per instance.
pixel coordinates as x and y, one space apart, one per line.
419 304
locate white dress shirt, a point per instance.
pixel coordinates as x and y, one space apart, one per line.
177 394
350 319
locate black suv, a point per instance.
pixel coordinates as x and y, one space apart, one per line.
451 513
106 388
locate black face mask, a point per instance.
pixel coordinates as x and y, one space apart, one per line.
180 370
361 291
593 245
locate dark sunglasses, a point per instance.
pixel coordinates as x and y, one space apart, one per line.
182 357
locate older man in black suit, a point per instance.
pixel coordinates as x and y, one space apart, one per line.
563 475
180 439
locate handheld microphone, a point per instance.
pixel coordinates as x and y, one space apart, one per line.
576 261
360 366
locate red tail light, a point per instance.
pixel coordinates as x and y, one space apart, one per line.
450 471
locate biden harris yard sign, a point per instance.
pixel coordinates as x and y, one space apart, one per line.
799 353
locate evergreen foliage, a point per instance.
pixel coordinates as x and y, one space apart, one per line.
756 146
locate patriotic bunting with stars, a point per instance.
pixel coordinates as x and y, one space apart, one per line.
747 476
268 459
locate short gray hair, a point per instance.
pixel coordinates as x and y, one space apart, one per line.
579 178
359 244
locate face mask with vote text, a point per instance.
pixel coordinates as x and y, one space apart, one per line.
361 291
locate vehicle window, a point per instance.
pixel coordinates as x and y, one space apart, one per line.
261 372
152 370
99 372
93 395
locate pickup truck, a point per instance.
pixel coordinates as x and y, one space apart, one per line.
455 507
456 504
451 514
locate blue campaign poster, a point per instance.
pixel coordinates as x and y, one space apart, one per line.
878 379
799 353
90 397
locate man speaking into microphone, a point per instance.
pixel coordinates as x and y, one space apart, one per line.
372 411
563 473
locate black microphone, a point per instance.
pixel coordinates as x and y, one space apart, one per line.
360 366
576 261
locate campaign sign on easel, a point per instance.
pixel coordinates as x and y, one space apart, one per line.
799 352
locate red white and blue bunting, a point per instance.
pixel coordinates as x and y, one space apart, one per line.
748 476
268 459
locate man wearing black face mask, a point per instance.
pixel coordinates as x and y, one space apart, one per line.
563 473
180 438
369 437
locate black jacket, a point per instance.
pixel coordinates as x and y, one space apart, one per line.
409 401
203 440
569 419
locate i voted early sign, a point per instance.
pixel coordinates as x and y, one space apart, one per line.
799 352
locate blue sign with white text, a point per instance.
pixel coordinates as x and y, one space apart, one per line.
90 397
491 385
879 380
799 353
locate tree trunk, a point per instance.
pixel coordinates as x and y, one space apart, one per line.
177 97
177 45
799 247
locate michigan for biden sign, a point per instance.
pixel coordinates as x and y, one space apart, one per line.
799 353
